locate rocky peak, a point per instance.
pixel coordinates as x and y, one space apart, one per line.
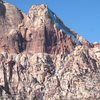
41 31
37 14
47 32
10 17
42 59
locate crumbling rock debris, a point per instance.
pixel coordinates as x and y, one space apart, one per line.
42 59
39 76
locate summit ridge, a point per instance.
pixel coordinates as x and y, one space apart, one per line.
42 59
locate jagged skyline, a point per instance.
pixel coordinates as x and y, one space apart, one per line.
42 59
80 16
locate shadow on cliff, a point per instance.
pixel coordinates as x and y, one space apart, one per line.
16 43
2 9
51 68
6 86
11 65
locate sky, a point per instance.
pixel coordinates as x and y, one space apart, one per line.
82 16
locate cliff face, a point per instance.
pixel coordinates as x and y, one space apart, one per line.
41 31
51 77
10 18
42 59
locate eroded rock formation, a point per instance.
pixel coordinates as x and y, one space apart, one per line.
41 31
42 59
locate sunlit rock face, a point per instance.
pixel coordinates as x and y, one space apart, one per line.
49 77
42 59
48 33
40 31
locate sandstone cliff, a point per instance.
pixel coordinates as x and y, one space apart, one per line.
42 59
39 31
